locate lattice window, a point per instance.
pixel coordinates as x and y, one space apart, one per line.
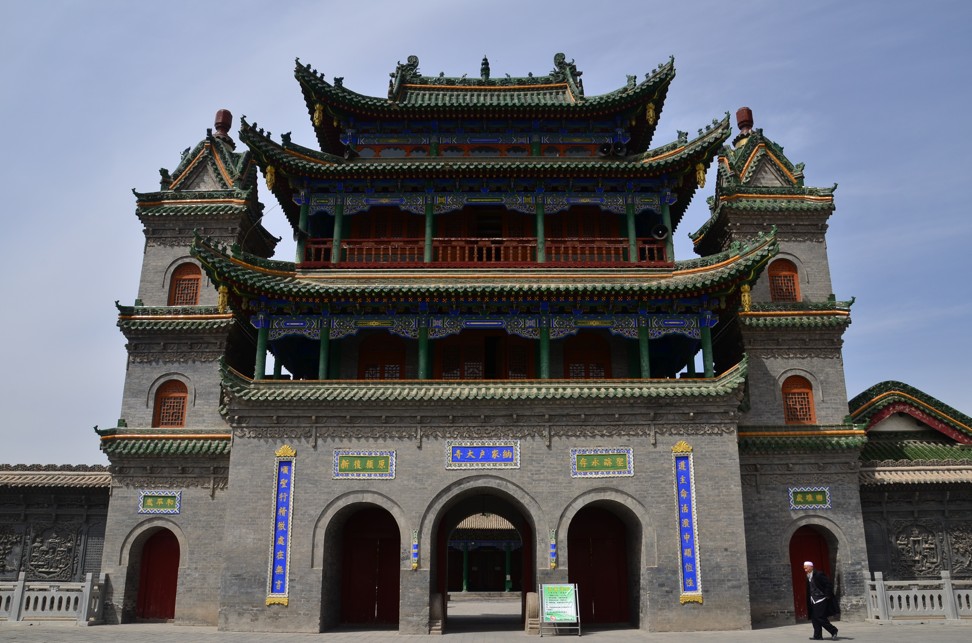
784 281
798 401
587 356
170 405
519 362
184 286
382 358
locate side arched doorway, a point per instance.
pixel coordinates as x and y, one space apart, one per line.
809 543
370 568
158 577
599 546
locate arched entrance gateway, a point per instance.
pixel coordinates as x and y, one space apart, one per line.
158 576
810 543
361 568
603 559
484 550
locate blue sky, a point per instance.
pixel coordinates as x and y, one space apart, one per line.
97 96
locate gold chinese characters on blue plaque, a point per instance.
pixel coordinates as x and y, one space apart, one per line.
482 454
690 572
278 589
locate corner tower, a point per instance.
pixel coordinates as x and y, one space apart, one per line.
170 450
798 450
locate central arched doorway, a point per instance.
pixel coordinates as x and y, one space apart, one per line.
808 543
158 577
597 550
370 566
483 562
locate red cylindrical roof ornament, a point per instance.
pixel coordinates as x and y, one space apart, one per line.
224 121
744 119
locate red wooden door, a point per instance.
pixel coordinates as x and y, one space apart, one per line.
370 568
597 551
806 544
158 577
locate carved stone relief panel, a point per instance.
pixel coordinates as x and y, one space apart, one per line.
960 548
11 550
917 550
53 551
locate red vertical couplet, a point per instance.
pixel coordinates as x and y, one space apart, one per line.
159 577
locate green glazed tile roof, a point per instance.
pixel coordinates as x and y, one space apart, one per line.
798 315
296 161
172 318
122 441
230 168
800 439
300 163
884 398
716 274
425 391
905 450
167 447
559 93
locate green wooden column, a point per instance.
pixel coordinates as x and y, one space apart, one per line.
423 351
259 369
324 354
690 367
707 352
544 348
667 222
338 225
643 348
541 231
629 211
302 226
508 550
429 231
465 568
277 368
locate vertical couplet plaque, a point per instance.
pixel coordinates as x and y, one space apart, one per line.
689 572
277 578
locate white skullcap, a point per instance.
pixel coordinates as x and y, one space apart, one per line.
807 563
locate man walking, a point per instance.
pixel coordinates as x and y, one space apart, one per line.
820 602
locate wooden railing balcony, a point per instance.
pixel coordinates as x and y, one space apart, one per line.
476 251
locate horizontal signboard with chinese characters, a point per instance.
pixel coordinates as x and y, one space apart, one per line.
482 454
601 463
809 497
357 465
156 501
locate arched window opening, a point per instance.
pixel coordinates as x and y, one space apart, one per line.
170 405
798 401
382 358
784 281
184 286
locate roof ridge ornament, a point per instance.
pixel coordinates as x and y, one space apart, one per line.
402 74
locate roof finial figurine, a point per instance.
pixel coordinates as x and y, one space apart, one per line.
484 69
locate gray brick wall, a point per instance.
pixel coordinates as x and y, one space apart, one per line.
541 491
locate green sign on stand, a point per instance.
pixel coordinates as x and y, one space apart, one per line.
558 606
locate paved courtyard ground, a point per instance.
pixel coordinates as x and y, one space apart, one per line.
477 622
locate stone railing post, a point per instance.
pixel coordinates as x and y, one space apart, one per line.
951 608
882 596
17 601
86 590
